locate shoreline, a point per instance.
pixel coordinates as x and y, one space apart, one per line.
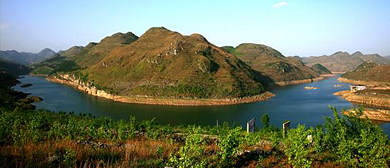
372 114
359 82
295 82
373 101
159 101
141 99
31 74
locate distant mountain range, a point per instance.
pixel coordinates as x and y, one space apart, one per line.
343 61
26 58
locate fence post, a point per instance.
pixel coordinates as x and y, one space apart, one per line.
286 127
250 126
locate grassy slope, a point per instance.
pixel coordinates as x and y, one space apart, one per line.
272 63
370 72
163 63
320 69
81 57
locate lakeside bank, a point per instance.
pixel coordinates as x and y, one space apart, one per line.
376 115
359 82
141 99
295 82
364 99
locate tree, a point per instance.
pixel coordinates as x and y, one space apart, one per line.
265 120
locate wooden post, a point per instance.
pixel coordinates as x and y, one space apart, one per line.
286 127
250 126
217 123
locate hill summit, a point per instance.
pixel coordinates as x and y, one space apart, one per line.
27 58
369 72
164 63
271 63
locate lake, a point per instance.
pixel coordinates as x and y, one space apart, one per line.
293 103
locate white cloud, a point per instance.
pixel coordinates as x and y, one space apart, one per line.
4 25
280 4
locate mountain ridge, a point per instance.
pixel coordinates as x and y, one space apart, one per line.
27 58
343 61
165 63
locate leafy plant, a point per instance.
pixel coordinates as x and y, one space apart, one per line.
229 145
297 147
192 153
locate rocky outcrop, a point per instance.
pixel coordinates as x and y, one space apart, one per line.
372 114
141 99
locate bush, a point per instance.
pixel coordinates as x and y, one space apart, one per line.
297 147
229 145
192 153
356 142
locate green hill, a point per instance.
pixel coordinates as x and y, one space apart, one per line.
81 57
10 70
320 69
163 63
272 63
13 68
369 72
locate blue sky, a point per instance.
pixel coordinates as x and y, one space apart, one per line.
294 27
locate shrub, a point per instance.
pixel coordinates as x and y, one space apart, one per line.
356 142
297 147
192 153
265 121
229 145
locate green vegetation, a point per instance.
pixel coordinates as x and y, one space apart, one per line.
229 49
76 57
12 68
166 64
320 69
271 63
55 65
41 138
369 72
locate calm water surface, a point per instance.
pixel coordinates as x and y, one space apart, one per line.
292 103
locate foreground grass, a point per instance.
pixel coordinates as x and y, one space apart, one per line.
41 138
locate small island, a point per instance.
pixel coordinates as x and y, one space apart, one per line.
26 85
310 88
